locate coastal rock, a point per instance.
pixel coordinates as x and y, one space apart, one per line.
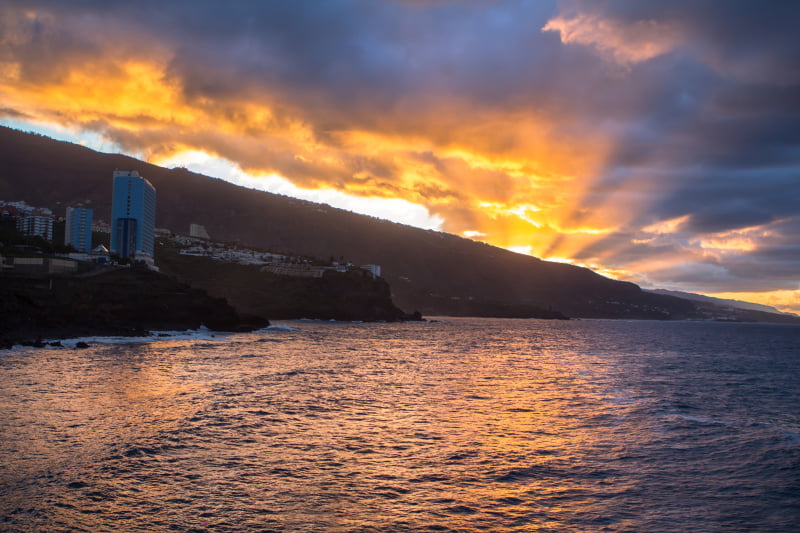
120 302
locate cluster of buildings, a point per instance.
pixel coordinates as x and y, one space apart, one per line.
132 230
36 221
201 246
133 218
304 270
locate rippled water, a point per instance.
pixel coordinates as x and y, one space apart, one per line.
458 425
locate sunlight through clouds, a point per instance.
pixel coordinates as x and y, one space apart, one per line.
393 209
787 301
651 141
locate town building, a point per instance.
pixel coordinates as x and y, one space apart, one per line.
78 231
133 216
36 224
198 231
98 255
8 210
101 226
39 266
375 270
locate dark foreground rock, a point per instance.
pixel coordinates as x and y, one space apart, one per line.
120 302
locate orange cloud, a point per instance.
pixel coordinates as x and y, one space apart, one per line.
742 240
441 158
526 169
626 44
512 177
667 226
787 301
514 174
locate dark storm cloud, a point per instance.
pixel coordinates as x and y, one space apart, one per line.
719 200
717 138
361 53
375 53
686 260
748 39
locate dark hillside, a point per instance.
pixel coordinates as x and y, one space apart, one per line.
427 270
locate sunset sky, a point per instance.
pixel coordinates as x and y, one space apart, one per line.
653 141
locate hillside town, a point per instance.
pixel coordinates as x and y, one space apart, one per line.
63 244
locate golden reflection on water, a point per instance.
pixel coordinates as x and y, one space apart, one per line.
475 432
331 428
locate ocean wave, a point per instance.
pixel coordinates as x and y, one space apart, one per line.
697 419
279 327
201 333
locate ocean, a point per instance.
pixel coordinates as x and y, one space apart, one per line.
453 425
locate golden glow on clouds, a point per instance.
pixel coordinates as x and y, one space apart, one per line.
128 95
523 211
394 209
624 43
787 301
510 177
519 177
587 230
742 240
667 226
728 245
520 189
9 71
524 250
483 184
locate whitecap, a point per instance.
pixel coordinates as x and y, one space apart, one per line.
280 327
201 333
698 419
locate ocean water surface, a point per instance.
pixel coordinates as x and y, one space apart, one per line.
455 425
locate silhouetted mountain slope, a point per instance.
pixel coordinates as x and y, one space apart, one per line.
720 302
427 270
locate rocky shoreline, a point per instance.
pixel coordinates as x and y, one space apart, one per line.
127 302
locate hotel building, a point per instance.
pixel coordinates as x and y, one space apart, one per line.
36 224
78 231
133 216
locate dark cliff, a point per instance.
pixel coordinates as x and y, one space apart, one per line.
124 301
346 296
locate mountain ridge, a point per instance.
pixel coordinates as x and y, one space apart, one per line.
427 270
740 304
